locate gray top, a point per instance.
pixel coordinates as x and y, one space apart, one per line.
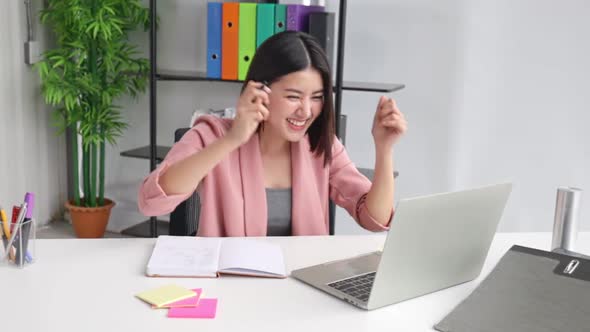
278 202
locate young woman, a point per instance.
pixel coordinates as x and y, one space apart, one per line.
273 169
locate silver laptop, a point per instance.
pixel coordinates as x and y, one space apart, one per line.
434 242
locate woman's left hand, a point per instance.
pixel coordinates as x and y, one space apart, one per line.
389 123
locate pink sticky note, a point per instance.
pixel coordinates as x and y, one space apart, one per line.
205 309
189 302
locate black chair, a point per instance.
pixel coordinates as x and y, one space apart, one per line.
184 220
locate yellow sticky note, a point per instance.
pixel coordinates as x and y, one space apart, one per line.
166 294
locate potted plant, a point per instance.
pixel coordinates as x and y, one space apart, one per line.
92 65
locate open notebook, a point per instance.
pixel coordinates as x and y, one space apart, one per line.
190 256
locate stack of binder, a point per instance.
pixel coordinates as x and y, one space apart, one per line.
235 30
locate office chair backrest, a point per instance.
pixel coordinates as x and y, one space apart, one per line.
184 220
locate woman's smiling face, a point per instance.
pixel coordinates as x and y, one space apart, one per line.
296 100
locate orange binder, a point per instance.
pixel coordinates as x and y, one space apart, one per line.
229 40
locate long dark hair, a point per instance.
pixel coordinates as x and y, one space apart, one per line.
289 52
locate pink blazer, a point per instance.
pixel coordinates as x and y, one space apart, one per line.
233 197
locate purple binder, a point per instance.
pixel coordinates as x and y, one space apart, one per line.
298 16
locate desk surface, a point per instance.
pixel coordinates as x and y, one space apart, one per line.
88 285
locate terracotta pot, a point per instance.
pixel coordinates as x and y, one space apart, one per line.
90 222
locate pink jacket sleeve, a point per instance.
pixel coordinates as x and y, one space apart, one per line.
349 188
152 200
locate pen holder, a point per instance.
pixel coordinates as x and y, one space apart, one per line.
565 225
19 248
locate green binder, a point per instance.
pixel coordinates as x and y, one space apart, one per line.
280 18
265 22
246 38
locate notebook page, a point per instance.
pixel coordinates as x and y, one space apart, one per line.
251 257
184 256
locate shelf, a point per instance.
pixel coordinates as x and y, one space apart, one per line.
144 152
143 229
370 173
372 87
179 75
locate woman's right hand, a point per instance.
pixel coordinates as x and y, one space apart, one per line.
250 111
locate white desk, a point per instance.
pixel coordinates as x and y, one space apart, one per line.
88 285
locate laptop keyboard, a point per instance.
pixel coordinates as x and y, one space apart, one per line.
357 286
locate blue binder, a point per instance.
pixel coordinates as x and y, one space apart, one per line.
214 39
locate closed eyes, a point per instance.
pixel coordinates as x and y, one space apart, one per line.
316 98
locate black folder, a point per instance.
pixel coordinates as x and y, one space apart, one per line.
528 290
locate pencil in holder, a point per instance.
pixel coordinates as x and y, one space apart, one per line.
19 247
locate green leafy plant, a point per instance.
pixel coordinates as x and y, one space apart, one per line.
92 65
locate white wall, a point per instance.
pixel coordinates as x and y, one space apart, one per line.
32 156
496 91
524 110
417 43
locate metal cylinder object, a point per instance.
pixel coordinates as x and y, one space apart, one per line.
565 224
